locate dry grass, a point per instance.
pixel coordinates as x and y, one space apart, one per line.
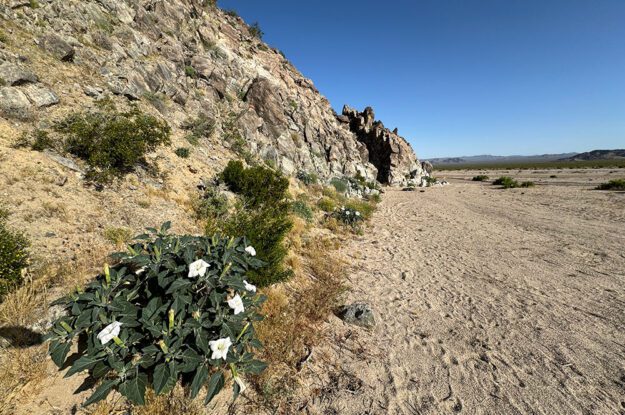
23 306
21 370
173 403
118 236
294 313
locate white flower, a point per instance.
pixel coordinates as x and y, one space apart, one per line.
110 331
250 250
236 304
357 213
198 267
249 287
220 348
141 270
347 212
239 382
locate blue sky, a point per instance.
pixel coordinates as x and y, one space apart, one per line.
464 77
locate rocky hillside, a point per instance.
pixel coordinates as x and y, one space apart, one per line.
184 58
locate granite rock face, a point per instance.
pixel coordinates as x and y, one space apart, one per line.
186 58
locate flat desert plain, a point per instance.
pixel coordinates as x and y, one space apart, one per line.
487 301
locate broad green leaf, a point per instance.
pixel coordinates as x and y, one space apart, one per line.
100 370
164 377
178 284
58 353
101 392
198 380
83 363
134 389
255 367
215 385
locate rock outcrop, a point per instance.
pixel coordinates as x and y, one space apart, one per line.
390 153
185 58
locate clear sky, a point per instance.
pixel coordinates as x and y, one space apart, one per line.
464 77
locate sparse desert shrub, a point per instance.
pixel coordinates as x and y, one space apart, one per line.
173 308
506 182
42 141
111 142
212 205
183 152
480 178
615 184
365 208
13 256
231 13
190 72
118 236
347 216
303 210
341 185
326 204
430 180
307 178
527 184
259 185
199 127
256 31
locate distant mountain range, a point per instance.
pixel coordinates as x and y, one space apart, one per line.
487 158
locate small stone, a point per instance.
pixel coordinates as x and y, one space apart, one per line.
60 181
192 169
404 275
359 314
50 234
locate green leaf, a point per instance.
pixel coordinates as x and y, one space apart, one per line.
164 377
100 370
134 389
198 380
101 392
84 363
215 385
255 367
58 352
177 285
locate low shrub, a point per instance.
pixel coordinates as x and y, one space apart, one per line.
615 184
326 204
364 207
199 127
527 184
212 205
307 178
173 308
190 72
263 216
111 142
480 178
183 152
347 216
118 236
341 185
13 256
303 210
429 180
256 31
506 182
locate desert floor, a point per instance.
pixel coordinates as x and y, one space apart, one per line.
511 302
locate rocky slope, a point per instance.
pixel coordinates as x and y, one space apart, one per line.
185 57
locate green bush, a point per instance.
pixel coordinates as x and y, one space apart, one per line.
527 184
259 185
341 185
480 178
13 256
183 152
616 184
307 178
326 204
301 209
173 308
256 31
212 205
111 142
199 127
364 207
506 182
42 141
263 217
348 216
190 72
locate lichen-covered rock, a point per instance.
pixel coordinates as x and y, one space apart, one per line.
13 75
57 47
13 100
40 96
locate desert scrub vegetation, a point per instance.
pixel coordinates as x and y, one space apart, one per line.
307 178
183 152
326 204
199 127
302 209
118 236
615 184
506 182
13 256
527 184
480 178
173 308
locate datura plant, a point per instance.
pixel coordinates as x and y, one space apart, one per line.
173 308
348 216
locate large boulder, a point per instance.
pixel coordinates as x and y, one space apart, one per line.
57 47
12 74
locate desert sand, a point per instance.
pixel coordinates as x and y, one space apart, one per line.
487 301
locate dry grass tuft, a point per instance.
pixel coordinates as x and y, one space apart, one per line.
173 403
19 369
23 306
294 312
118 236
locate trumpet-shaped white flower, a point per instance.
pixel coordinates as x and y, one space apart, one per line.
239 382
250 250
141 270
236 304
347 212
109 332
357 213
220 348
249 287
198 267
